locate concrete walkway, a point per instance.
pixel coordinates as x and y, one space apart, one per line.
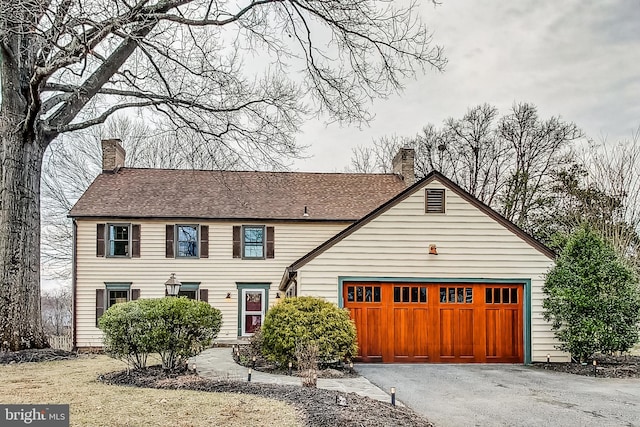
217 363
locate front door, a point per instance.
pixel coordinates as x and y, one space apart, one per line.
253 309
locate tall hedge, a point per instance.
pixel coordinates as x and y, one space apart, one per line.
592 298
303 320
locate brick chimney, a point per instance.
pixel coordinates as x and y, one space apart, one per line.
403 165
112 155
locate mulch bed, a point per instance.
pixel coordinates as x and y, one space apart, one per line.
607 367
243 355
35 355
317 406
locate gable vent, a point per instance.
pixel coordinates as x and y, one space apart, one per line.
434 200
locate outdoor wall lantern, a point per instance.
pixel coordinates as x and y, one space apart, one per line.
172 285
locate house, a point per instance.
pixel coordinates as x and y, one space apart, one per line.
429 273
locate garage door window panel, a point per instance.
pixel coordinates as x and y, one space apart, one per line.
363 294
501 296
409 294
456 295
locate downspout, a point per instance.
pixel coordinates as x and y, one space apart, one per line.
74 285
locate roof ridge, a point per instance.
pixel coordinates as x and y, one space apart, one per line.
258 171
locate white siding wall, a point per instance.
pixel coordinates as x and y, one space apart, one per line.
218 273
470 245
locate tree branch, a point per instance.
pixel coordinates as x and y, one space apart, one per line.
101 118
212 22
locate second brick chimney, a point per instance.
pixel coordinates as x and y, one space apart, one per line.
113 155
403 165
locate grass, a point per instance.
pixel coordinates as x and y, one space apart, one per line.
95 404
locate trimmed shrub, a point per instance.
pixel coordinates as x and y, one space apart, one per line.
306 320
175 328
127 333
592 298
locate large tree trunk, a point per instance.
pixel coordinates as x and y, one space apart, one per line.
21 155
20 165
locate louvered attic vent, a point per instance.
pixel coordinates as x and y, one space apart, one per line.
434 200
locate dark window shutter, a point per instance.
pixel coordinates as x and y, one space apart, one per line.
100 247
135 294
434 200
270 242
169 253
135 241
204 241
204 295
99 304
237 243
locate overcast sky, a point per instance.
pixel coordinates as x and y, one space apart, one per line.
575 58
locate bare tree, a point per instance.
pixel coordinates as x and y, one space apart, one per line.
378 158
67 65
56 311
73 161
614 171
476 157
362 160
601 190
539 149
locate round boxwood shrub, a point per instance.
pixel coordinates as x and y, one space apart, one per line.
304 320
175 328
127 333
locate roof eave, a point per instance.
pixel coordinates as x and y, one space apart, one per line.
287 277
210 218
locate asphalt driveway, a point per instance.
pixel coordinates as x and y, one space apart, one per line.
508 395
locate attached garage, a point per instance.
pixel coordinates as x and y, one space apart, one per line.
437 322
435 276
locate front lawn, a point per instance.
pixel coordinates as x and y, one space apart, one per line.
96 404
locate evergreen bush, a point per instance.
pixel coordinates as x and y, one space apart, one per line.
175 328
307 320
592 298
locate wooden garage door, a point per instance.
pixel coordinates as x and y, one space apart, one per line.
449 323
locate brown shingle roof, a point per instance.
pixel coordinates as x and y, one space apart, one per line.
163 193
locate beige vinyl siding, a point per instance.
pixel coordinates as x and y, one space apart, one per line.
470 245
218 273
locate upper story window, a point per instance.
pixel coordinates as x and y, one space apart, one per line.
434 200
253 242
187 241
118 240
